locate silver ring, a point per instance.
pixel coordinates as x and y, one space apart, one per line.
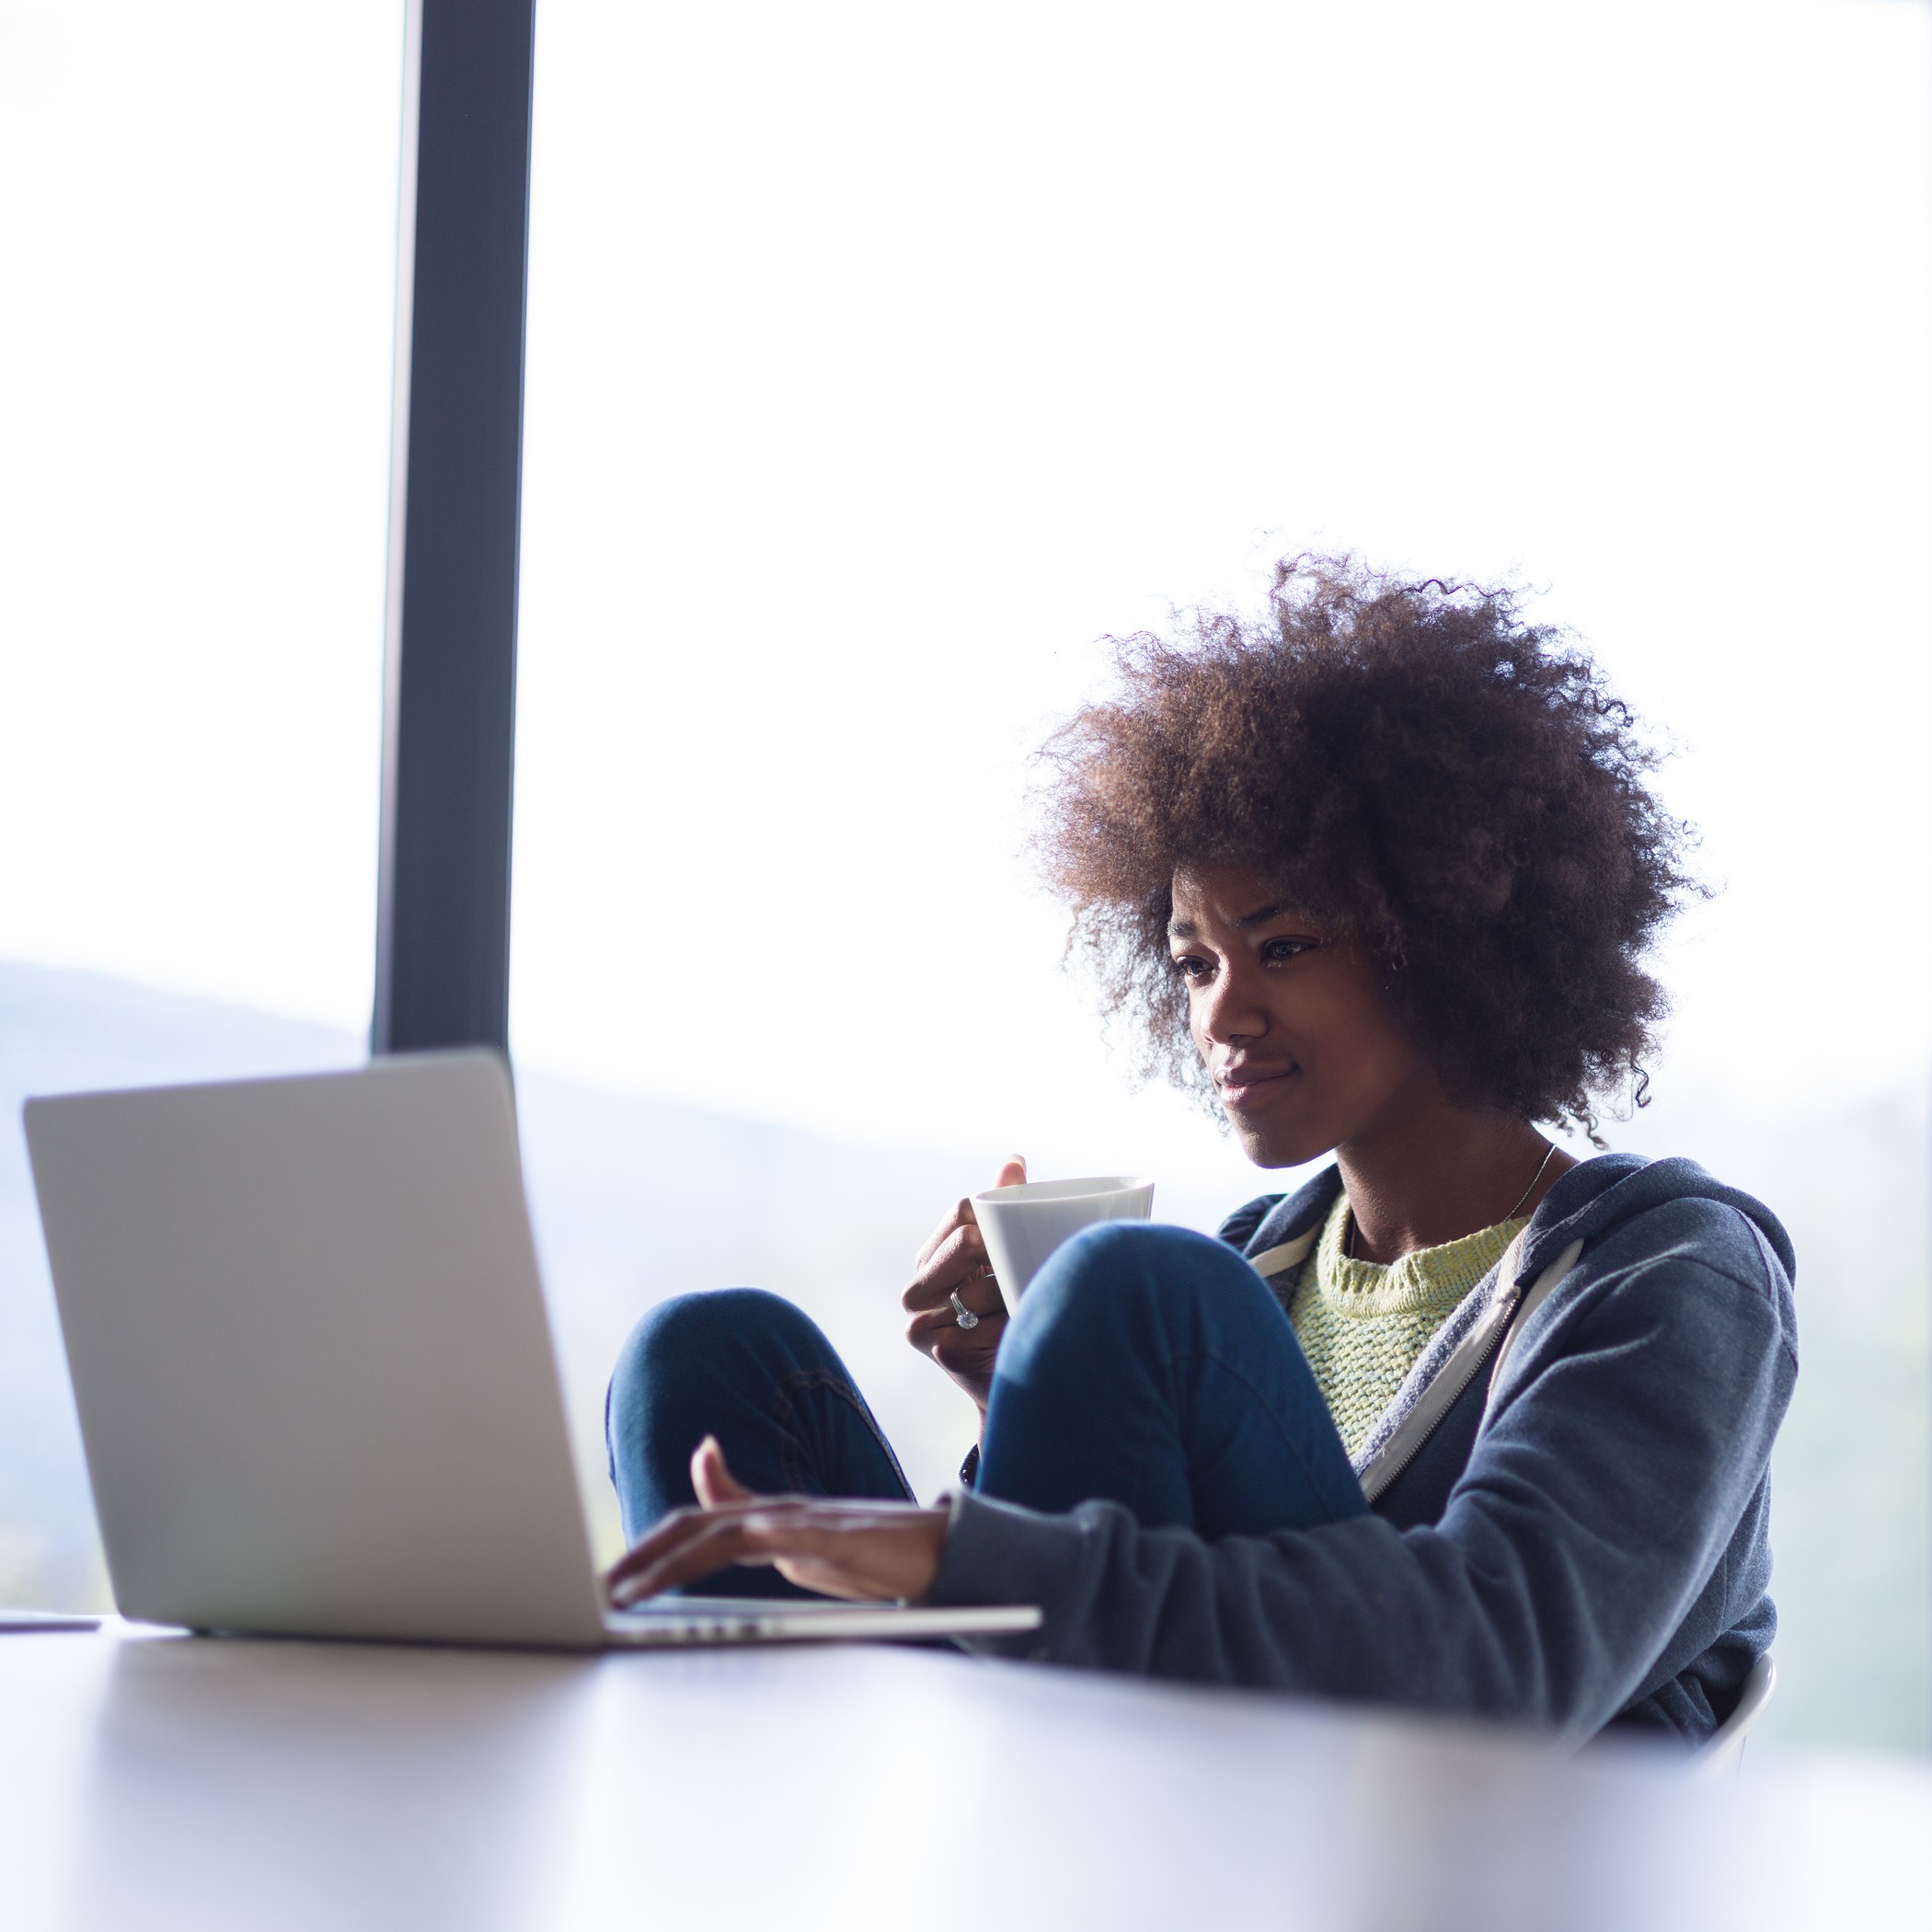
962 1313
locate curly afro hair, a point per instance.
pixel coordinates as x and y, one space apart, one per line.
1414 765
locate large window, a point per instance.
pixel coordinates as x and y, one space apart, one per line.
199 233
882 360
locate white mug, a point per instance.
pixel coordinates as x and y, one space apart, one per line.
1024 1225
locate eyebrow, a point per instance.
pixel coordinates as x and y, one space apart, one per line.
1186 930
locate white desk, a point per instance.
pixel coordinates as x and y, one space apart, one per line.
155 1782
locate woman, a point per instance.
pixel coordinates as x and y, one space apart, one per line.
1462 1422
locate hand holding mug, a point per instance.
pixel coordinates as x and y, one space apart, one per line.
954 1263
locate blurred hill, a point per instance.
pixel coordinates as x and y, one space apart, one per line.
635 1198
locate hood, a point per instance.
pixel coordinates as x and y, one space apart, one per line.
1593 1196
1600 1195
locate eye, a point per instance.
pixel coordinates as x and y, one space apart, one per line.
1192 966
1275 952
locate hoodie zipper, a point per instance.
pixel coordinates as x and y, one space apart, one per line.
1505 1315
1469 1374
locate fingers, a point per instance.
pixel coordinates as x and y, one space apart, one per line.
711 1476
952 1262
627 1579
688 1544
1012 1173
845 1549
960 1216
696 1522
967 1357
977 1292
712 1543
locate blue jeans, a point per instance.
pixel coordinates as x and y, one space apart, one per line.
1146 1365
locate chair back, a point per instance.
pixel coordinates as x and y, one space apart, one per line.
1721 1753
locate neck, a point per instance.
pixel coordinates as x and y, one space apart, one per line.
1433 1171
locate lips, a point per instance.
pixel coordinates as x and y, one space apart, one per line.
1252 1084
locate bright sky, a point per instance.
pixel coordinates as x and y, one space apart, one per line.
881 360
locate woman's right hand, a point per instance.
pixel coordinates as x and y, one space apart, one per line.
954 1262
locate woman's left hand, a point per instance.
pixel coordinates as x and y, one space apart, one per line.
953 1272
859 1548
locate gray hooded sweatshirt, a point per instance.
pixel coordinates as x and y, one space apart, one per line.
1569 1492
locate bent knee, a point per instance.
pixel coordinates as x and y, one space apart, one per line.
1143 1262
689 1330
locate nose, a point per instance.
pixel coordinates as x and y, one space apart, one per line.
1227 1010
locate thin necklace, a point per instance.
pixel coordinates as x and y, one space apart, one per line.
1548 1155
1549 1150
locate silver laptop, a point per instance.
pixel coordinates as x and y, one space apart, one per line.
315 1379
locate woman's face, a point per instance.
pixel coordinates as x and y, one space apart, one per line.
1289 1020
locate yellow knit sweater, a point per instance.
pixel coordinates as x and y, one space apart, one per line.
1362 1326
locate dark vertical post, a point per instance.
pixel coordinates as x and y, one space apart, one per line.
443 915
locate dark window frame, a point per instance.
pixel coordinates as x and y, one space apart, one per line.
449 714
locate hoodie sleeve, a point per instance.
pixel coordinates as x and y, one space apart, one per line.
1631 1429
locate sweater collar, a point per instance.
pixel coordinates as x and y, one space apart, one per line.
1593 1196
